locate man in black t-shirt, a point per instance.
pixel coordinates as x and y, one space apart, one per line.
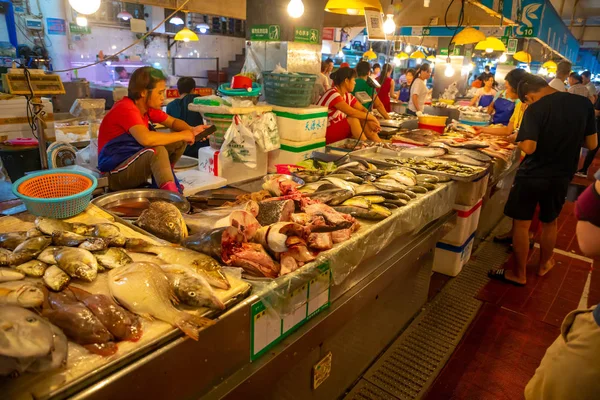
591 154
554 128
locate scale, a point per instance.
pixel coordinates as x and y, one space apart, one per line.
34 85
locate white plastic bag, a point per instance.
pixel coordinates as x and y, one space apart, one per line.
88 156
238 147
264 128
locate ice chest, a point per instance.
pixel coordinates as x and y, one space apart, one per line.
294 152
469 193
301 124
208 161
467 219
449 259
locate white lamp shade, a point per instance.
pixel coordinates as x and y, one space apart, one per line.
85 7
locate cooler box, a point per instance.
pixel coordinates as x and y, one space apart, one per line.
449 259
13 118
469 193
467 220
208 161
294 152
301 124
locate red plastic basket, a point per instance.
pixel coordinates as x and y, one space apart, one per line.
439 129
285 168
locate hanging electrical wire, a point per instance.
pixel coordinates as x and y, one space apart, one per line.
132 44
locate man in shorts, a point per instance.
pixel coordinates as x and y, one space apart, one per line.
554 128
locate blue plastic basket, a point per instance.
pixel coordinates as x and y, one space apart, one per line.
474 123
55 193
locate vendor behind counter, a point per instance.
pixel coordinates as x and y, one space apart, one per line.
178 108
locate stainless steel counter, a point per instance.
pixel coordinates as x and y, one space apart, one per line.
368 309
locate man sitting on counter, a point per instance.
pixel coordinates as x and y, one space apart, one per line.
129 149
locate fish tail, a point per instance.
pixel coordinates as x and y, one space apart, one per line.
191 324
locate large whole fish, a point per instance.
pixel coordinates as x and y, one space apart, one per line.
48 226
11 240
203 263
122 324
143 288
111 233
164 220
21 293
191 288
112 257
29 343
78 322
273 211
243 220
8 257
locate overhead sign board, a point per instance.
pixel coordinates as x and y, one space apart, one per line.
265 33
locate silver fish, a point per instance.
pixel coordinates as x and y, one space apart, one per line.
191 288
422 152
20 293
94 244
33 268
49 225
11 240
9 274
341 183
7 257
78 263
426 178
34 245
143 288
463 159
180 255
55 278
110 232
112 257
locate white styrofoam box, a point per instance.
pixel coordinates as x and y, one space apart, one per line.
469 193
467 220
301 124
195 181
13 118
292 152
208 161
449 259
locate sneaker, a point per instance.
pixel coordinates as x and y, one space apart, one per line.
581 174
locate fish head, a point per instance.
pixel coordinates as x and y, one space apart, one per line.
193 292
30 296
23 333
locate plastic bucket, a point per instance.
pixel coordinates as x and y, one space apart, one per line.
435 128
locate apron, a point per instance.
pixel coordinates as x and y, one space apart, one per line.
405 93
486 100
503 110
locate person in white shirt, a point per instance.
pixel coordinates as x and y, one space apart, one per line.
563 69
418 90
322 83
586 76
576 85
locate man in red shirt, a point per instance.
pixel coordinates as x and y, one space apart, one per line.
129 150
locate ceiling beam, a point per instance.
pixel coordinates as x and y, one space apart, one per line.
586 33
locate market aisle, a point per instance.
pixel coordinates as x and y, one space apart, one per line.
505 343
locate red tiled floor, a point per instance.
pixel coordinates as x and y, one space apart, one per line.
507 340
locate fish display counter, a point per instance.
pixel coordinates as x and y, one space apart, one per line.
336 266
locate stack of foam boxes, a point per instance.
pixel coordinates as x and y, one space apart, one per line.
302 131
454 250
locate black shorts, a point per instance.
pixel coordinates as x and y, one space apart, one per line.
527 193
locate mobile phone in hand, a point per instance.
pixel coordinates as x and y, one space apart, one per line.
205 133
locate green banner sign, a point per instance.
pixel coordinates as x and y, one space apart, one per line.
265 33
306 35
444 51
79 30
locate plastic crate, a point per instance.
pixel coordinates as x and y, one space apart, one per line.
289 90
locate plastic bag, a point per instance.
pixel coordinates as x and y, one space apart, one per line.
279 69
264 128
238 147
252 67
88 156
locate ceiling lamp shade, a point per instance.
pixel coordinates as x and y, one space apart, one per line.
490 45
418 54
370 54
176 21
431 58
124 15
522 56
85 7
468 35
203 27
81 21
351 7
402 56
186 35
549 65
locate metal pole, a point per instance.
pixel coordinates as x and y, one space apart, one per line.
218 74
573 14
562 7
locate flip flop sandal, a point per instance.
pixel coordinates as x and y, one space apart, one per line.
499 275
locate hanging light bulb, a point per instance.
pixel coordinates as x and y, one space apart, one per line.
124 15
203 27
295 8
352 11
176 21
340 53
419 61
81 21
449 71
543 71
502 58
489 50
408 48
85 7
389 26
